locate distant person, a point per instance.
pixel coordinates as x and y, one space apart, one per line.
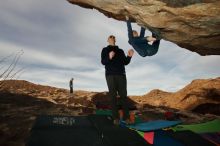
71 85
115 60
140 42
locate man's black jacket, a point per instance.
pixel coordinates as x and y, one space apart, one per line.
115 66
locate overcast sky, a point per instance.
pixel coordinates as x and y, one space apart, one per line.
61 40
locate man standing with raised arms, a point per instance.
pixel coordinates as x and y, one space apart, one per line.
115 60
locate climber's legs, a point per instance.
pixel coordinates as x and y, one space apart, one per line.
154 48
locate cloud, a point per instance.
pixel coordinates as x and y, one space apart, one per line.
60 78
45 68
33 57
150 75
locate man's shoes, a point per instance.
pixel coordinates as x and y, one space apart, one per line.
116 122
128 121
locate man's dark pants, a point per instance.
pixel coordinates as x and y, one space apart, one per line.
71 89
118 84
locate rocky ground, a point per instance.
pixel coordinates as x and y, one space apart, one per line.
21 102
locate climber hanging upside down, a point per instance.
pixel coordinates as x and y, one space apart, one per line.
140 43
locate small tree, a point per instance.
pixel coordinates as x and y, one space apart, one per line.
8 72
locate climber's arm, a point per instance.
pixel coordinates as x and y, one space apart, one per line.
130 33
142 33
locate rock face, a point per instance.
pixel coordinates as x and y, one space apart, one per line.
191 24
201 95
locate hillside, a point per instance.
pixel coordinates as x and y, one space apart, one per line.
196 95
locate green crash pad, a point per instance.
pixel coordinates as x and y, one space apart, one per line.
208 127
